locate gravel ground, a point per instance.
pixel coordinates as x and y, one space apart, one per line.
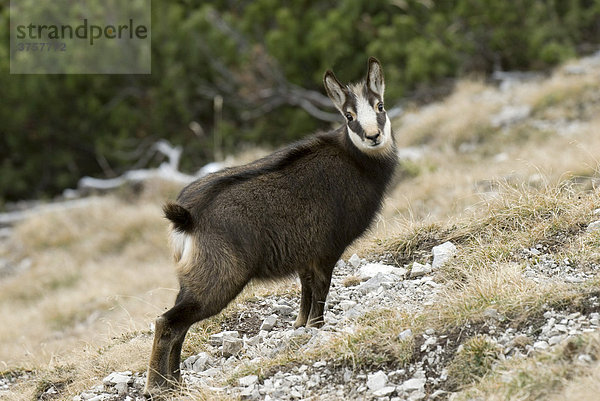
264 329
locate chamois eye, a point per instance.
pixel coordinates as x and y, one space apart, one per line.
349 117
380 106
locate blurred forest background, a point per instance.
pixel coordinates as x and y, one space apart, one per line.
264 60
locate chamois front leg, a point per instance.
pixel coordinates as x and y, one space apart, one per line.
320 289
305 299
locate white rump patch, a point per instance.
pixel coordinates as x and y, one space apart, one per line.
183 247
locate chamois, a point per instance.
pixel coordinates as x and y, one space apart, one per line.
294 211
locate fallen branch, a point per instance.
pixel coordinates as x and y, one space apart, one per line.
167 171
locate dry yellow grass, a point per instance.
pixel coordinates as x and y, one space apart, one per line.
100 275
94 274
557 142
555 375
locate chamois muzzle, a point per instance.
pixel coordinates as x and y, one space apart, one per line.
374 138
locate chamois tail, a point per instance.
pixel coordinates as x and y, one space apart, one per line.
180 217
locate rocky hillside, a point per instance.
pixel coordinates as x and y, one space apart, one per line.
479 280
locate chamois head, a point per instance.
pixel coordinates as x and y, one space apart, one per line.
367 123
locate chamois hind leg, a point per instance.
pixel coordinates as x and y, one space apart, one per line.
320 289
175 358
204 299
169 332
305 299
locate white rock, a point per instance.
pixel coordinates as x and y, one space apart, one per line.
269 323
117 377
437 394
200 362
354 260
121 388
429 342
594 226
494 314
585 358
510 115
211 372
347 305
419 270
442 254
561 327
100 397
216 340
372 269
555 339
380 280
354 312
247 381
384 392
540 345
189 362
284 309
231 346
414 385
405 335
377 380
252 341
246 393
417 395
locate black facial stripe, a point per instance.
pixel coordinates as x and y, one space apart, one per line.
381 119
350 103
357 128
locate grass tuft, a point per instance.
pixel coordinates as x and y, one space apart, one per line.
473 361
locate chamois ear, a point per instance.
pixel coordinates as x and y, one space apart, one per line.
335 90
375 80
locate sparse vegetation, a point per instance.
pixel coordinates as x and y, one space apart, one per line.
94 279
473 361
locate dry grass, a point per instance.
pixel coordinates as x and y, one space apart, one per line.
93 275
555 375
374 342
100 275
454 121
473 361
557 142
488 271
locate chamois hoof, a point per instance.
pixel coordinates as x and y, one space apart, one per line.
300 323
317 324
155 390
153 393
